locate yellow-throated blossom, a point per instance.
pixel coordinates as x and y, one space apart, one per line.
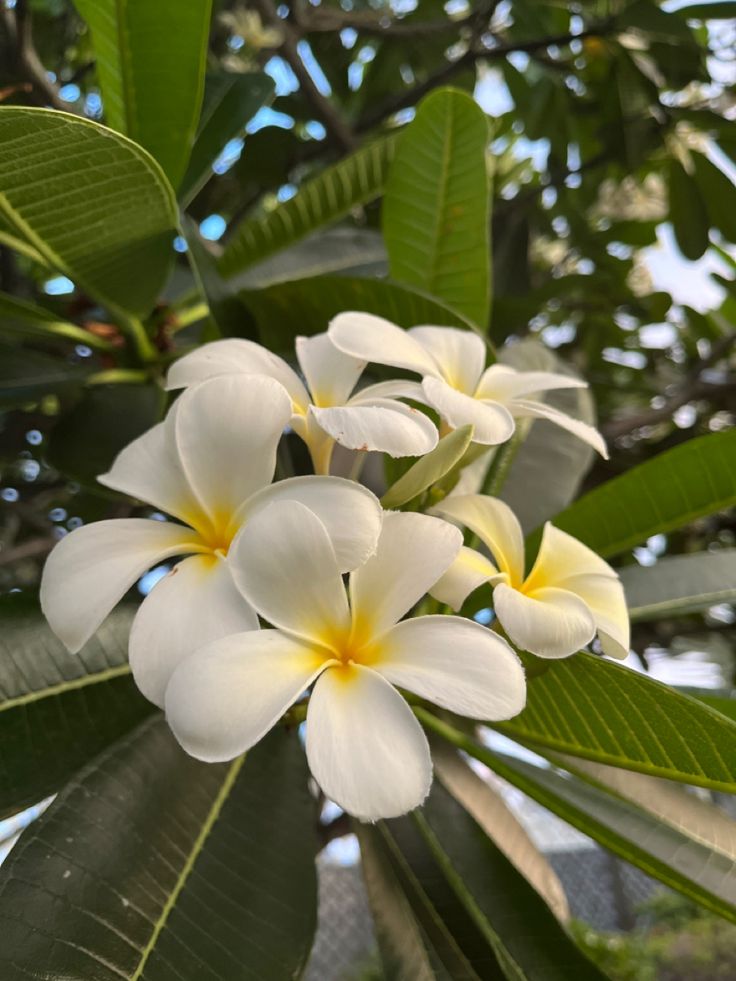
209 464
365 747
569 595
455 380
326 413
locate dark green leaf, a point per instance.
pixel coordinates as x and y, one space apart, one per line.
719 194
436 213
688 212
58 709
150 61
152 866
680 584
356 180
27 375
20 318
666 492
94 205
706 11
230 101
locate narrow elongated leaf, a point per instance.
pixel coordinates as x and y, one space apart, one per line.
306 306
152 866
707 11
94 205
150 62
230 100
688 212
667 492
429 469
528 940
680 584
549 467
58 709
436 213
21 319
658 849
487 808
593 708
324 199
27 375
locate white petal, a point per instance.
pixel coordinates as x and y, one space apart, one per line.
223 699
468 571
455 663
398 388
227 431
149 469
351 514
461 354
551 623
414 550
92 568
387 426
195 603
285 565
365 748
561 556
502 383
492 423
523 409
331 374
605 599
374 339
495 524
235 356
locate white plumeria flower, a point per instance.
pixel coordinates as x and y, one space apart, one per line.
455 380
569 594
371 419
365 747
212 474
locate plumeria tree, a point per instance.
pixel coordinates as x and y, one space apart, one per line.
346 477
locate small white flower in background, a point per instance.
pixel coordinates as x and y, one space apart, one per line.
569 594
455 380
371 419
209 465
365 747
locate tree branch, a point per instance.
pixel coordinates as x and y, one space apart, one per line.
17 25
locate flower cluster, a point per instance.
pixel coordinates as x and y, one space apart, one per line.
255 614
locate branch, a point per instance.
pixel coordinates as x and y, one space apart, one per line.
373 24
17 25
337 828
27 550
336 127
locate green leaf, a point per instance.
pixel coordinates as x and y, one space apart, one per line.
601 711
88 437
231 99
671 490
515 920
436 212
549 466
647 16
324 199
719 194
94 205
58 709
151 865
306 306
28 375
659 849
429 469
680 584
707 11
688 212
20 318
150 62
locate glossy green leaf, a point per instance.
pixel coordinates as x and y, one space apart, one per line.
151 866
306 306
599 710
231 99
429 469
322 200
58 709
548 468
667 492
150 62
719 194
657 848
436 212
688 212
28 375
95 206
25 320
680 584
88 437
